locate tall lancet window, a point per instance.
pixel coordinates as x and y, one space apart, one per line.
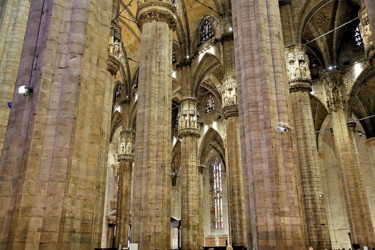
358 36
206 31
218 195
210 105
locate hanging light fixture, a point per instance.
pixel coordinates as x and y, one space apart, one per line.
25 90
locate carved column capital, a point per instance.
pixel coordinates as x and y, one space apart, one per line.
154 10
335 91
297 64
126 146
366 34
188 118
229 97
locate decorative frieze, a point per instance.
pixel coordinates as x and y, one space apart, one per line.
153 10
229 97
297 64
188 118
126 146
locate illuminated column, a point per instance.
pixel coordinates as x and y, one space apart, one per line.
152 186
357 206
233 149
306 151
55 152
188 131
273 210
13 15
367 34
125 157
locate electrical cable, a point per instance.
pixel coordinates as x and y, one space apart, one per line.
342 25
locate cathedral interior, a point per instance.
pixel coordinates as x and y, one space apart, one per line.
187 124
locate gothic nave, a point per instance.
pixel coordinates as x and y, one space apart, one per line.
187 124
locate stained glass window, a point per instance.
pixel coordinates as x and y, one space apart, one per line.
206 30
210 106
173 55
218 195
118 92
358 36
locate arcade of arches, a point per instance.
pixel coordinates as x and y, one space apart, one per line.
187 124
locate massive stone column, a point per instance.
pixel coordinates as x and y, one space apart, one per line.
152 185
125 157
370 144
306 153
273 212
55 152
233 149
13 20
189 133
357 206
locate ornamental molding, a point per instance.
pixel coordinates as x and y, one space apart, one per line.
300 85
335 91
157 11
113 64
125 157
230 111
186 132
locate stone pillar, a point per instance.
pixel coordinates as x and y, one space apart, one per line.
273 211
152 186
55 152
367 36
188 131
306 151
370 143
125 157
357 206
233 149
13 16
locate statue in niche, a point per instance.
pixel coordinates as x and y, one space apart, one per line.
122 148
291 58
117 49
303 69
292 71
335 97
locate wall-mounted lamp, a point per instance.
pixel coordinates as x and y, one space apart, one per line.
24 90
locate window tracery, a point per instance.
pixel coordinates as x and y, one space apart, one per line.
358 36
218 218
206 30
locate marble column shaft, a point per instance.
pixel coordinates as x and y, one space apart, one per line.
124 198
13 20
306 150
190 178
55 152
273 212
357 206
152 185
233 149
